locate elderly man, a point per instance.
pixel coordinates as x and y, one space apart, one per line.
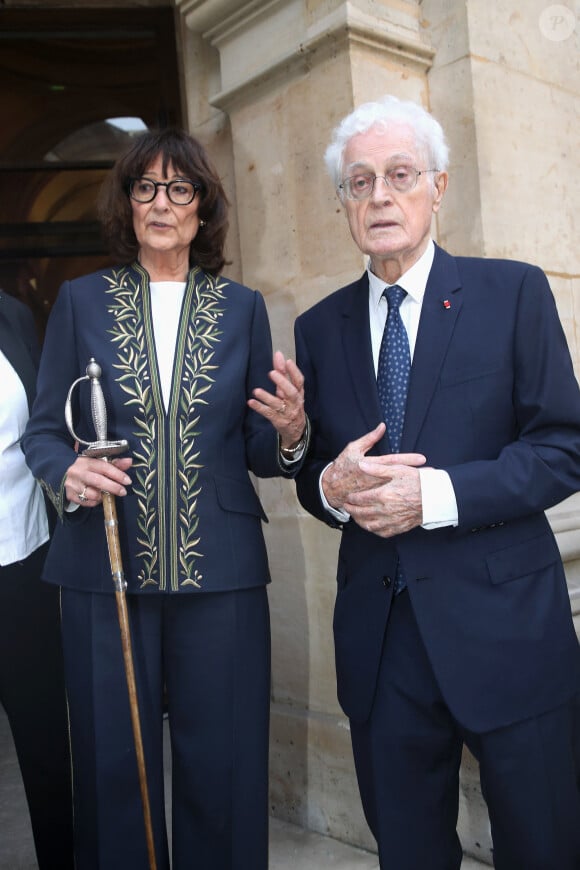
452 621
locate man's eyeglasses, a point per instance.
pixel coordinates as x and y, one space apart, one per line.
178 192
400 178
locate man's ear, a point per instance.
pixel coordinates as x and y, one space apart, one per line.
440 187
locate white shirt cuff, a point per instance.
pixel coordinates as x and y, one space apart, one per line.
296 458
337 513
438 498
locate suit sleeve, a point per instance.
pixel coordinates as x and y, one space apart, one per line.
47 444
261 437
318 457
541 465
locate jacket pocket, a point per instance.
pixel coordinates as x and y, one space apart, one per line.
468 373
522 559
238 496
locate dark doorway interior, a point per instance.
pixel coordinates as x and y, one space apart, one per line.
75 85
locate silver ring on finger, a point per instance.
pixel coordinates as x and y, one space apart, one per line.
82 496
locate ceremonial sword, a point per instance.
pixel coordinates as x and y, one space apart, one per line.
104 449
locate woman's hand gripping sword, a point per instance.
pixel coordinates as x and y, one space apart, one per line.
103 449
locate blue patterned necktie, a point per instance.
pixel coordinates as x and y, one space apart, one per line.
394 368
393 380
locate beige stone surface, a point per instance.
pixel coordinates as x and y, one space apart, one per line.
473 822
301 604
312 780
459 223
575 308
567 294
529 168
508 98
296 848
518 37
200 64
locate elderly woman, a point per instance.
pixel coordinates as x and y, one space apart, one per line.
188 381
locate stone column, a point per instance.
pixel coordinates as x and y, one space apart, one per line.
288 72
266 82
504 84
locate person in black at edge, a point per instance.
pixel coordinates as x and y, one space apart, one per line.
32 689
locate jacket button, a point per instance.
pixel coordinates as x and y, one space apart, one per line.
387 582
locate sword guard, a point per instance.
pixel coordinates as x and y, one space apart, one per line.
104 449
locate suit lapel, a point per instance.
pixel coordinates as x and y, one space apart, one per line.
441 308
358 352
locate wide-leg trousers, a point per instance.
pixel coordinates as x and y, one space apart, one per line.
207 656
408 754
33 695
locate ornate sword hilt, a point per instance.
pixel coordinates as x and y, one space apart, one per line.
101 448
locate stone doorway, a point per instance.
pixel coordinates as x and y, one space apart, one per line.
75 85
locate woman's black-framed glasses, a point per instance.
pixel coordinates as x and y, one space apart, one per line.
178 191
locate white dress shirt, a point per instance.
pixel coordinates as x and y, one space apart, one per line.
437 495
23 522
166 302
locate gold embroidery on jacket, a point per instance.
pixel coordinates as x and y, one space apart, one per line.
135 380
57 498
162 517
197 347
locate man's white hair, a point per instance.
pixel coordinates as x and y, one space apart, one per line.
383 113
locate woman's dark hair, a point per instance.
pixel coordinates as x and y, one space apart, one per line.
190 160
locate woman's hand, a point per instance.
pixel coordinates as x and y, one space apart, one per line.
87 478
285 408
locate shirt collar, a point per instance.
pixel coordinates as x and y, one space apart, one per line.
414 280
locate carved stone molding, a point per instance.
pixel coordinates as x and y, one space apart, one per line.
206 16
286 40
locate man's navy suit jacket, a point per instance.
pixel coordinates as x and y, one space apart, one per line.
493 400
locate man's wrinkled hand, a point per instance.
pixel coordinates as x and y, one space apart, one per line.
393 504
353 472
